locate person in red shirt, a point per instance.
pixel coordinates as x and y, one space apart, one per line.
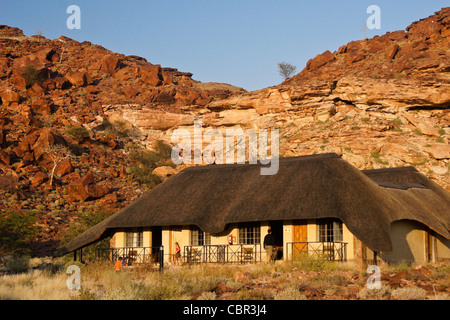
177 253
118 265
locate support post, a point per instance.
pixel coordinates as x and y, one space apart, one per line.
161 259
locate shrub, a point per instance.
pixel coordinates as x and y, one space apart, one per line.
418 132
398 121
409 293
31 75
120 127
78 133
286 70
144 162
207 296
17 264
375 294
290 293
377 158
17 232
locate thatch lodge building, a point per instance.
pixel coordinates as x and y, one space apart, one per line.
315 205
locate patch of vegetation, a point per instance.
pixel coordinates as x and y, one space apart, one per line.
120 128
17 231
285 280
31 75
377 158
80 133
398 121
144 162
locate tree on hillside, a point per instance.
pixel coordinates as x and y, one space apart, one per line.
57 153
17 231
286 70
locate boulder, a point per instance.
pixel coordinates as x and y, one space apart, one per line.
355 56
96 191
64 167
320 60
151 74
109 141
85 189
42 106
4 67
5 157
421 124
2 138
47 137
391 51
110 198
78 79
222 288
45 55
61 83
39 178
77 191
164 172
126 73
439 151
110 64
129 91
35 90
243 277
9 96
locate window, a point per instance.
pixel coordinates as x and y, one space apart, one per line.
330 230
250 233
200 238
134 238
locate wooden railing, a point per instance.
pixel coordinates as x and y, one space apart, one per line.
238 253
332 251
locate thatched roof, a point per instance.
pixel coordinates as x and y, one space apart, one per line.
307 187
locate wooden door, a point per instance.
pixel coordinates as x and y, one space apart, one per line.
300 238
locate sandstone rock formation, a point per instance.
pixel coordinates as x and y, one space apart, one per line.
360 101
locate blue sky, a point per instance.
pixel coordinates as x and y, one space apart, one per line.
236 42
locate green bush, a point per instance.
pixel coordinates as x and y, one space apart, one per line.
31 75
17 264
78 133
144 162
17 232
120 127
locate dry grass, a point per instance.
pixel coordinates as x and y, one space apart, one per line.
35 285
298 280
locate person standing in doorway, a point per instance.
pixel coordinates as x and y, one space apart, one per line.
269 246
177 253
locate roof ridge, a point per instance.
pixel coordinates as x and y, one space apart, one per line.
385 170
319 156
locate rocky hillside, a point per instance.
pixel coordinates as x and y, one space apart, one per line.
61 156
379 102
